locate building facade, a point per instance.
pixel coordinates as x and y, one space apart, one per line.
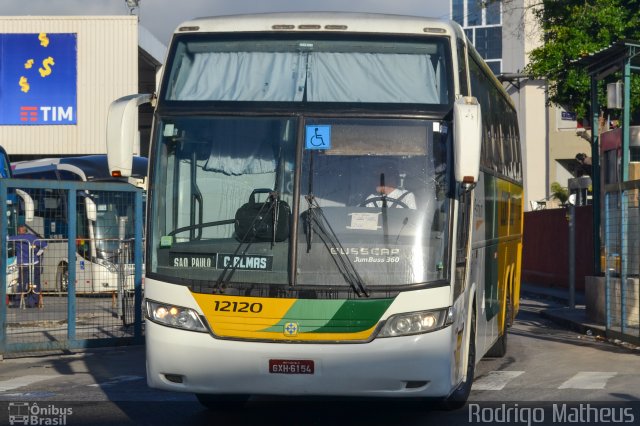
482 23
59 76
504 32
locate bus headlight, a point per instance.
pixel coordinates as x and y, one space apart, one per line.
416 322
174 316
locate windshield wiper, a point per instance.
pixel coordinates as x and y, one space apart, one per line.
316 216
201 225
223 279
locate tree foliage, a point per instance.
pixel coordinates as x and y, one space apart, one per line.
572 29
559 192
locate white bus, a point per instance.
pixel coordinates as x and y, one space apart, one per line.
15 199
99 218
335 208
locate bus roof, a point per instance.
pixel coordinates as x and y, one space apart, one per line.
85 168
327 22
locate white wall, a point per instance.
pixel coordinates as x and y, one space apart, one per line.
107 68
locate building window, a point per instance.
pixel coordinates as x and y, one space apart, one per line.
474 13
469 33
457 11
492 13
495 66
481 21
488 42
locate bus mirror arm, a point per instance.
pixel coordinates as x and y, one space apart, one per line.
122 133
467 140
29 206
92 211
466 187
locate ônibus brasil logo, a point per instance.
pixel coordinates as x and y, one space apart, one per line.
31 413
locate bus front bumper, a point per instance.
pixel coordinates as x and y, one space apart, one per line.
410 366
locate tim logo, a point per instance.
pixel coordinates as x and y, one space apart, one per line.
46 114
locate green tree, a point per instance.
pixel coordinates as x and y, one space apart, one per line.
559 192
572 29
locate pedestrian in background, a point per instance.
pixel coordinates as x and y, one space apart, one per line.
29 249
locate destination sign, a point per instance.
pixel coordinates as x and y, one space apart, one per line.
222 261
245 262
193 260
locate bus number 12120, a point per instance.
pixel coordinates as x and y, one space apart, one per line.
226 306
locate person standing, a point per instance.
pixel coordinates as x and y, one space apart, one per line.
29 249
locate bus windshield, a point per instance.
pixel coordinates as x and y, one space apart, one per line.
113 212
302 70
369 199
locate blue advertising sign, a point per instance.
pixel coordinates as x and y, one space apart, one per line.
38 79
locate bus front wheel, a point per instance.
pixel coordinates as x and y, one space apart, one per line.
62 278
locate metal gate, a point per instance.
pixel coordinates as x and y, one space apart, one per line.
72 265
622 256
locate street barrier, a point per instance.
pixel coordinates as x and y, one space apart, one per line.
622 259
73 275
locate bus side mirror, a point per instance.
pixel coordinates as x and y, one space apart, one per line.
92 211
467 139
29 206
122 133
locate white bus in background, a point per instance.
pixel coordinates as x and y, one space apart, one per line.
16 209
102 217
277 261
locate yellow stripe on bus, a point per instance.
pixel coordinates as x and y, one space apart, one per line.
243 317
255 313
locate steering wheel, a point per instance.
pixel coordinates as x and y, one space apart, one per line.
391 202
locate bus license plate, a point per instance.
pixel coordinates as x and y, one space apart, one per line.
291 366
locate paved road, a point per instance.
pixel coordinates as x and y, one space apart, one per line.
545 365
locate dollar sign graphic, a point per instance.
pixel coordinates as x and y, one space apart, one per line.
24 86
28 64
44 40
47 67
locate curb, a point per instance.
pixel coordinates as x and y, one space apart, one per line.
571 324
563 300
553 315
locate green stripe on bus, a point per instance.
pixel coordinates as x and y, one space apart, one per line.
331 316
356 315
310 314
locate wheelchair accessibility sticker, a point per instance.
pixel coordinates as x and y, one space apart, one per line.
317 137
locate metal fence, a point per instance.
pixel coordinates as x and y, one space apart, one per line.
71 275
622 257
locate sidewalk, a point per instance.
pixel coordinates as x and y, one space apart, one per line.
572 318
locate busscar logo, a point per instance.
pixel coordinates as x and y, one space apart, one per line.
27 413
